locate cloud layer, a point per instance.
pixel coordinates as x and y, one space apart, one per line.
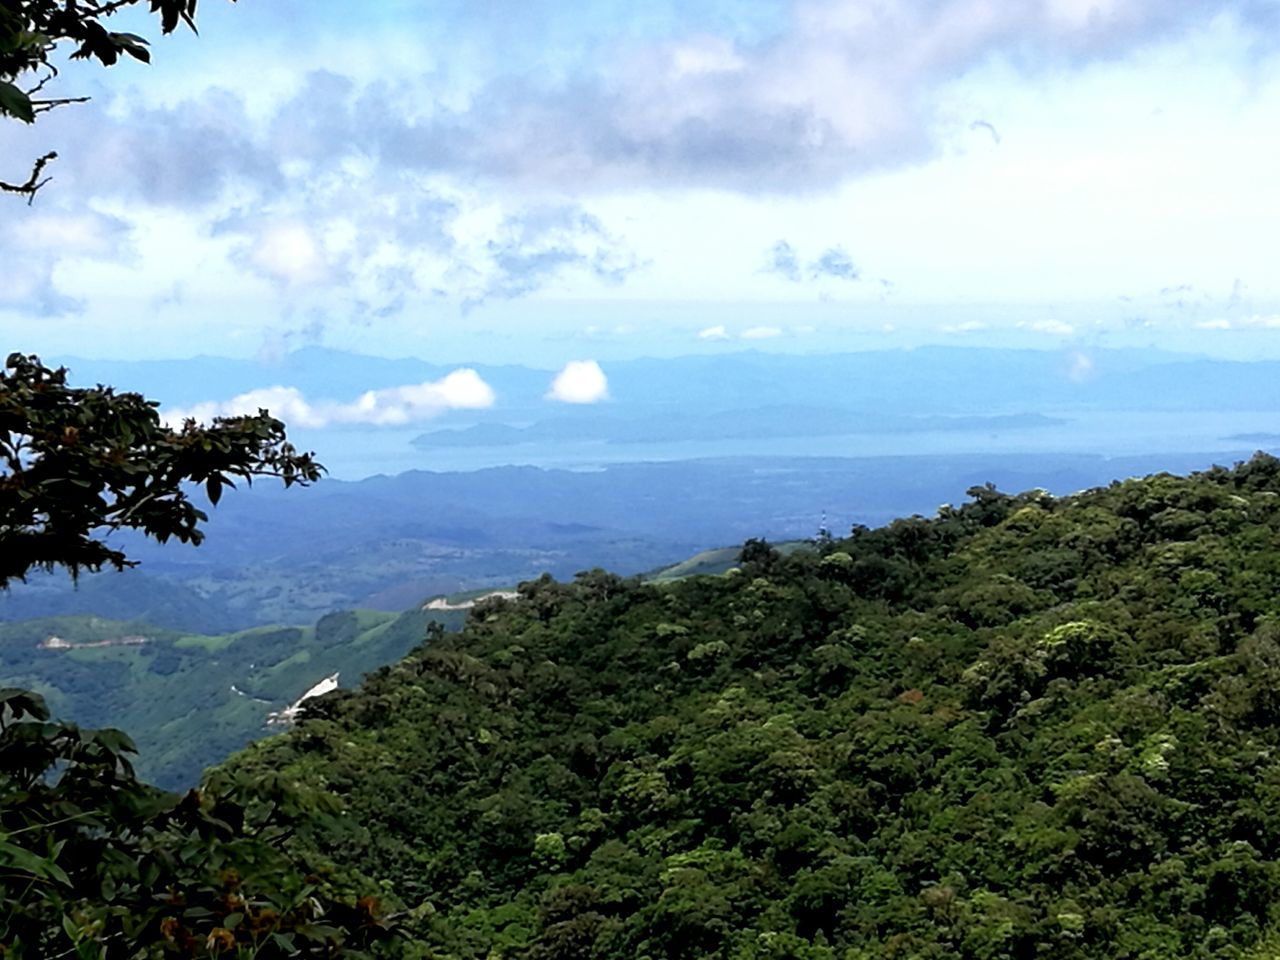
837 88
475 153
462 389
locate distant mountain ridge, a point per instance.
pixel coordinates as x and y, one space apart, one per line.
921 380
273 556
761 422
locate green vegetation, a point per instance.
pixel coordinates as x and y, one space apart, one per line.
1028 727
711 562
190 700
80 463
95 864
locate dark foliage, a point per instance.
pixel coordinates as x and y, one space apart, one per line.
1027 727
77 463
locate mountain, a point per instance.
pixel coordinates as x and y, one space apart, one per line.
910 381
274 556
933 400
753 423
1030 726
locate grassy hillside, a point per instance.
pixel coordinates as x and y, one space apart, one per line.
1028 727
189 700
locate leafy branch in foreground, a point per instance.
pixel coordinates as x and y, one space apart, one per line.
30 32
77 464
95 864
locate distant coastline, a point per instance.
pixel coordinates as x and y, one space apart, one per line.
1268 438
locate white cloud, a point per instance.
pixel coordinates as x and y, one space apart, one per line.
1057 328
1256 322
1080 367
36 247
761 333
1271 322
718 332
581 381
462 389
288 252
81 234
705 55
968 326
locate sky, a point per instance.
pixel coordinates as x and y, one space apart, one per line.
558 184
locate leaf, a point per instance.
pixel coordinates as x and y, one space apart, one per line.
71 929
23 703
133 45
117 741
16 103
24 860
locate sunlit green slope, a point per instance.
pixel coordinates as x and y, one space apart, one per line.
189 700
1028 727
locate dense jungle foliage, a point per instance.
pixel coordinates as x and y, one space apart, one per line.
1028 727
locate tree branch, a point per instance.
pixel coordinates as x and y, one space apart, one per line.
43 106
34 183
53 72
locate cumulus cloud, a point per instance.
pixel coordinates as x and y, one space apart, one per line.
966 326
462 389
374 254
33 241
1271 322
1051 326
366 190
833 263
1255 322
844 88
537 244
783 260
837 88
761 333
288 252
580 381
185 155
718 332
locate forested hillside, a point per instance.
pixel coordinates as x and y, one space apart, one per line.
189 700
1028 727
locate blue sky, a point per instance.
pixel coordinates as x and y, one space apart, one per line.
526 181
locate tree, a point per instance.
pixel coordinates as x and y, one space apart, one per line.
30 32
94 863
79 463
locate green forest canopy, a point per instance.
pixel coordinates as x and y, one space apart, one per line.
1028 727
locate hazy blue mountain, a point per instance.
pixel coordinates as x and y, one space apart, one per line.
758 404
762 422
689 453
923 380
274 556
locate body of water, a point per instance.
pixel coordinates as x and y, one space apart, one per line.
352 455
